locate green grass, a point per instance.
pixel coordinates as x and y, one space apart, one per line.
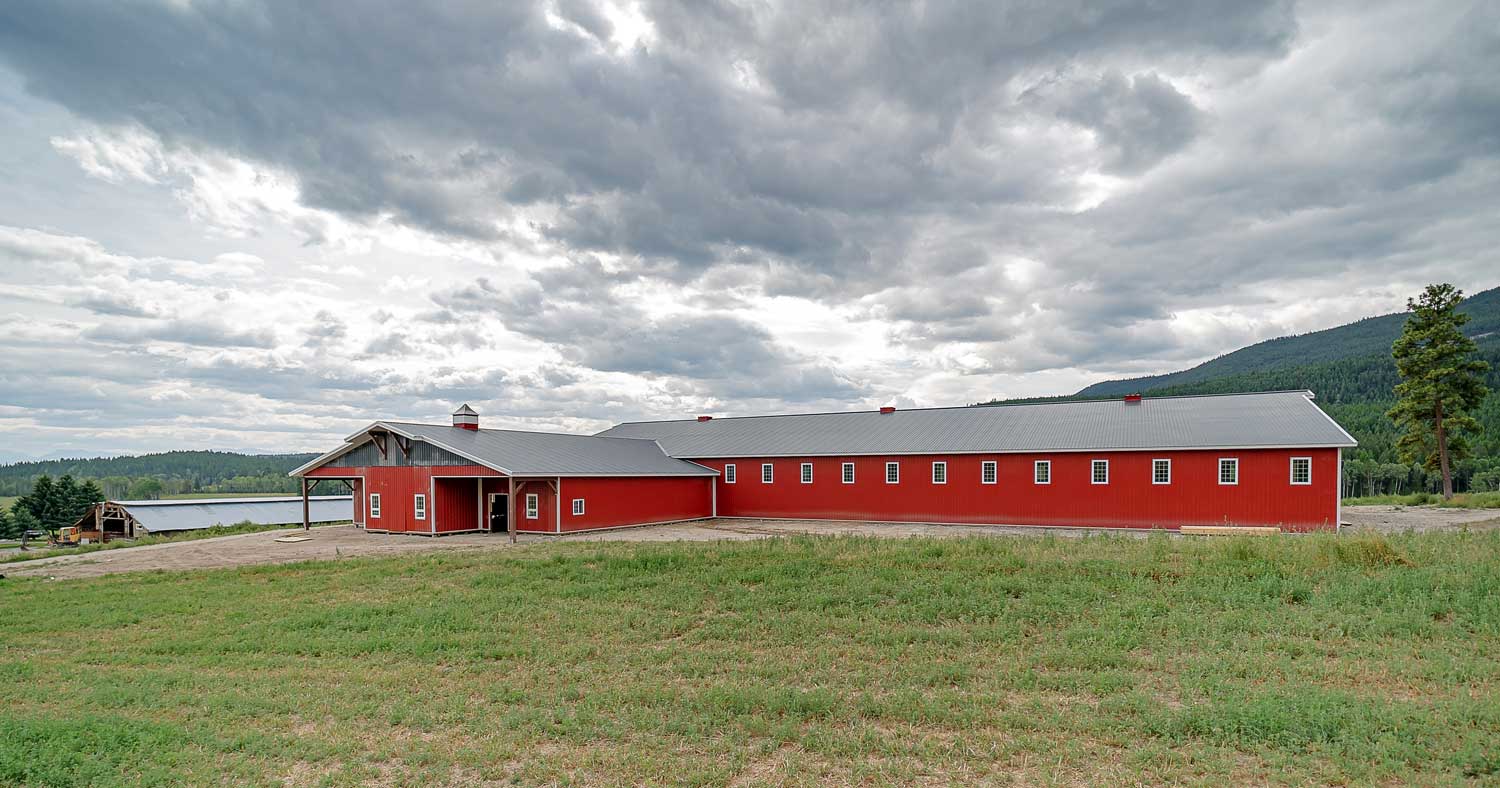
38 549
1108 660
7 501
1480 500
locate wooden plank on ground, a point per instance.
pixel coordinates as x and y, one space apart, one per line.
1230 530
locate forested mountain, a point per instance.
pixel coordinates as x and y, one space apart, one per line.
1372 336
1351 371
173 472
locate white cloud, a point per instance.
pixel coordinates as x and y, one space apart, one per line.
588 210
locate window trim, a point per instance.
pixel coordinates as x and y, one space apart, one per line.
1037 466
846 473
892 466
1093 467
374 512
989 468
730 474
533 506
419 506
577 507
1236 461
935 466
805 473
1292 472
767 473
1154 461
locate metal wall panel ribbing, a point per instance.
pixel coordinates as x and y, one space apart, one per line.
1263 495
396 487
455 503
419 454
612 502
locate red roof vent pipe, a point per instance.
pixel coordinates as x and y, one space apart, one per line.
705 418
466 418
1132 399
888 409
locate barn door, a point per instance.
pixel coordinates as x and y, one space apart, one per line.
499 512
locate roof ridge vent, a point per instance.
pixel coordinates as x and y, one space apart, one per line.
466 418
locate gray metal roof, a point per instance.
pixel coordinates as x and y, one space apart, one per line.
552 454
1271 419
187 515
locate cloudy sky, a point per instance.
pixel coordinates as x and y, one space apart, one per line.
259 225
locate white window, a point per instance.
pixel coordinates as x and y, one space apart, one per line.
893 473
577 506
848 473
1229 470
1161 471
419 506
940 473
989 472
767 475
1301 470
375 505
807 473
533 507
1043 471
1099 472
729 473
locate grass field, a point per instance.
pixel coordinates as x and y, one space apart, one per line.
1480 500
1319 659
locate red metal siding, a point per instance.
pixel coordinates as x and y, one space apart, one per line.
546 520
1264 495
612 502
357 491
397 486
455 504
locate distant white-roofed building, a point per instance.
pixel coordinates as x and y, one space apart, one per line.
133 519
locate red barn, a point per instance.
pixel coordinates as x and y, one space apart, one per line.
434 479
1240 459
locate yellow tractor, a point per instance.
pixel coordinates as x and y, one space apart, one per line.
73 536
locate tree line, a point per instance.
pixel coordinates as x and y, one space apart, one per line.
151 476
49 506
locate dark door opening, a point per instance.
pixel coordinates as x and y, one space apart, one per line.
499 510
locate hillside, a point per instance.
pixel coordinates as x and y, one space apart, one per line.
173 471
1349 367
1369 337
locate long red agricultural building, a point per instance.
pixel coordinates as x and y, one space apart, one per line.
1239 459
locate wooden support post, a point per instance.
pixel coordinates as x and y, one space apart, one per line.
510 514
306 516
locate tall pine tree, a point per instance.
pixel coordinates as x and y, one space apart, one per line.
41 503
1440 382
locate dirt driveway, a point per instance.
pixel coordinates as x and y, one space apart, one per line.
346 541
1399 519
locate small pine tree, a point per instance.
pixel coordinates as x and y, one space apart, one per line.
7 525
65 495
22 520
1440 383
42 495
85 495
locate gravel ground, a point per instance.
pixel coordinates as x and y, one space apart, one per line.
346 541
1399 519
